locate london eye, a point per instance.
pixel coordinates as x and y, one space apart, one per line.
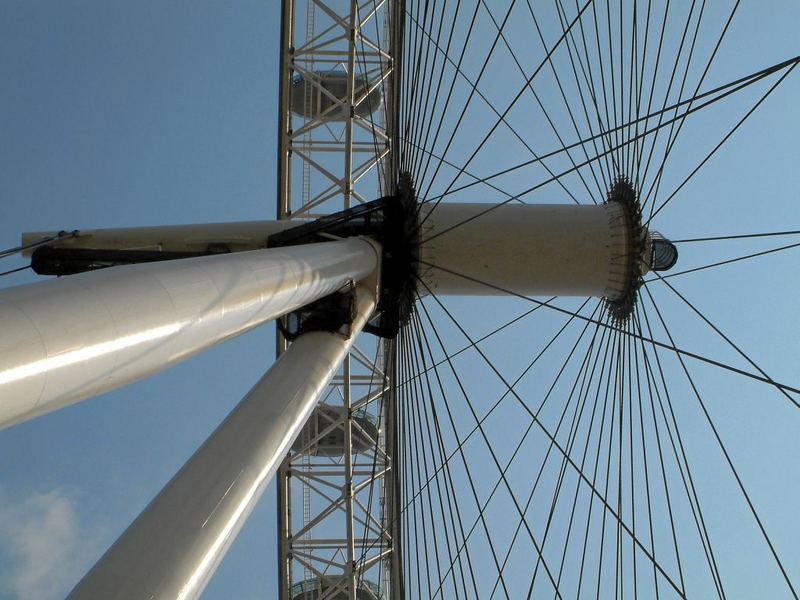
456 299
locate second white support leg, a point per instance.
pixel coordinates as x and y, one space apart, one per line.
173 548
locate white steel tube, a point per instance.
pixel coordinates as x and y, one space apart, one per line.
534 250
172 549
237 236
70 338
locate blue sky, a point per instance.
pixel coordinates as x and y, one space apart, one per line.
139 113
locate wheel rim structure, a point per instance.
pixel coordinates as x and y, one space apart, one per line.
513 444
339 160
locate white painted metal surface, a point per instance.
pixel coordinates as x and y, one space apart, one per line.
534 250
176 543
67 339
238 236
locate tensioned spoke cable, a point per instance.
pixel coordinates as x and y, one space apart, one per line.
672 139
550 436
403 386
417 165
645 462
632 458
615 143
624 401
464 109
424 87
662 471
548 181
616 119
664 345
420 82
493 407
536 97
772 88
580 404
488 444
608 460
627 414
563 96
668 91
427 123
61 235
423 145
507 110
588 76
420 351
452 497
605 175
673 134
422 475
605 374
725 453
412 459
411 75
652 87
735 237
726 89
468 473
639 86
461 547
558 427
467 173
404 98
722 335
17 270
495 331
679 454
725 262
603 349
446 104
633 69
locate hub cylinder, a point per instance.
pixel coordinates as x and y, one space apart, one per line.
532 250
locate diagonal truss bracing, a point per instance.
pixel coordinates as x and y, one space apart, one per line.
336 488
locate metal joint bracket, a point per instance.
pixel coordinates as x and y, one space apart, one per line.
391 221
334 313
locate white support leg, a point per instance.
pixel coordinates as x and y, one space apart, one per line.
172 549
70 338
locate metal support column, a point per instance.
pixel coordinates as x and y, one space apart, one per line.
71 338
200 511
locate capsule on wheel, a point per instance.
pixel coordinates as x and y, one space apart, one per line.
325 587
321 94
323 433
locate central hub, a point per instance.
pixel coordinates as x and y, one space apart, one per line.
644 250
475 249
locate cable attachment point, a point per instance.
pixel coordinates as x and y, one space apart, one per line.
334 313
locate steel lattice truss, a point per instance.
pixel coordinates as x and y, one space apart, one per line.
335 151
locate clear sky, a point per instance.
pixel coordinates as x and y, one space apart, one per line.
133 113
118 113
